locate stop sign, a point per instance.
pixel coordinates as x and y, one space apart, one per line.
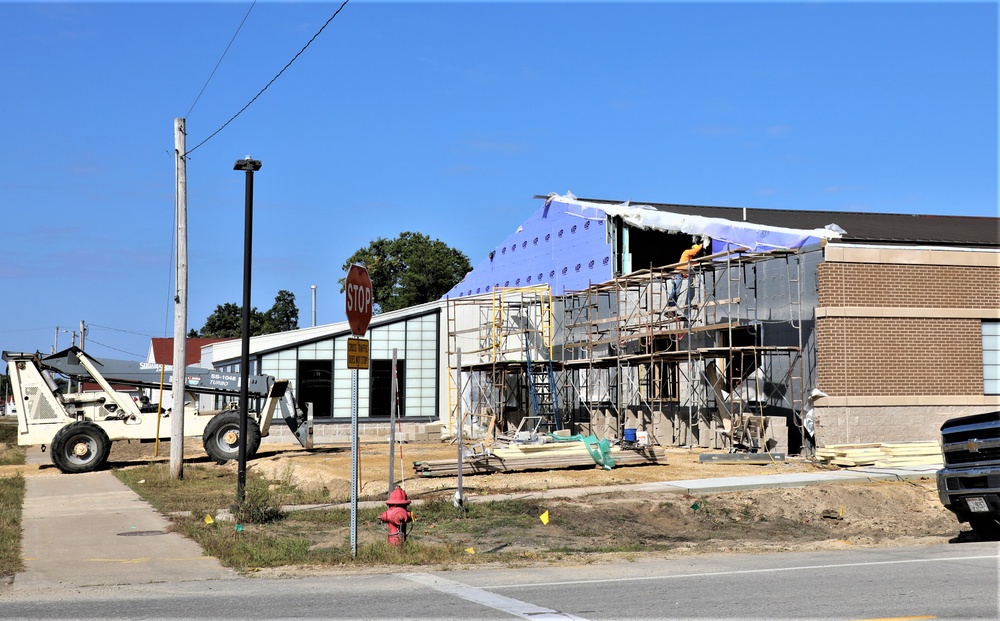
359 299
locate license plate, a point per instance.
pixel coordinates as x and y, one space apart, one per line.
977 505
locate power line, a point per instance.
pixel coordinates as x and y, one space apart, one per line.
240 27
335 13
93 342
95 325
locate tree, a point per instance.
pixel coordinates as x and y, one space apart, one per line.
409 270
226 322
283 315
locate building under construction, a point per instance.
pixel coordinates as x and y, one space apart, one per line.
733 353
720 364
792 330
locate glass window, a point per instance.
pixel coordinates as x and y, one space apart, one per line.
991 357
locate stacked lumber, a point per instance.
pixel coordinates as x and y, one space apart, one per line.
910 454
881 454
529 457
851 454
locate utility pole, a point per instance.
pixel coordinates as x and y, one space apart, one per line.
180 306
83 332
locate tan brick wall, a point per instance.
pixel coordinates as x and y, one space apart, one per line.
864 356
920 286
902 356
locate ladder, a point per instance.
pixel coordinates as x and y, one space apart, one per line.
542 388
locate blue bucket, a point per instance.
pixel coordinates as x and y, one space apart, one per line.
629 435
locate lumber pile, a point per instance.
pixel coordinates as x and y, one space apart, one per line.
881 454
910 454
535 457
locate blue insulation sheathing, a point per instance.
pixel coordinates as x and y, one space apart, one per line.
562 245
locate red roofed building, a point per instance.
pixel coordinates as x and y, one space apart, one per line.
161 350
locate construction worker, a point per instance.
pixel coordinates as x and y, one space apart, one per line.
681 273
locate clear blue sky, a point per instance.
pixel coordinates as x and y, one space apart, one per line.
446 119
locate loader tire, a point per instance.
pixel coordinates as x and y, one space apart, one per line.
80 447
222 434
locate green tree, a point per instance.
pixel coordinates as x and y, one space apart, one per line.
409 270
283 315
226 322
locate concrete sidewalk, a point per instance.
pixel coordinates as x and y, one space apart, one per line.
92 530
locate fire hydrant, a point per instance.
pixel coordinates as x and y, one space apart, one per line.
396 516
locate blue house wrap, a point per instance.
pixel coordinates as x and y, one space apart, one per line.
566 245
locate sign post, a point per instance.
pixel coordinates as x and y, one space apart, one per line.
358 289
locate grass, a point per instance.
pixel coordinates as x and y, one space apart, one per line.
10 453
11 499
263 535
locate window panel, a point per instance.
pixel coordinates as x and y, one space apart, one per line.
991 357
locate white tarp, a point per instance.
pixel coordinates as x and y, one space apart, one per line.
755 237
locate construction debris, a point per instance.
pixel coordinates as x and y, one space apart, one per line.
881 455
515 459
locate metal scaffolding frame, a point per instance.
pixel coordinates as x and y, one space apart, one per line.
506 344
704 372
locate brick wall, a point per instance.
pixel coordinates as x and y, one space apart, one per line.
866 356
920 286
902 356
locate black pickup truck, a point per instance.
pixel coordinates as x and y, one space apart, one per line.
969 484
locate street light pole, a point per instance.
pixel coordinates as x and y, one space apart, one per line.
250 166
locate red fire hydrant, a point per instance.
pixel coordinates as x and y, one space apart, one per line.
396 516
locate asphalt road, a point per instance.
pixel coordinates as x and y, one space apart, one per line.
942 581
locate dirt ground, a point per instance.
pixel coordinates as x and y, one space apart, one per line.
832 516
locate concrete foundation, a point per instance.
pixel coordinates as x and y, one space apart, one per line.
855 425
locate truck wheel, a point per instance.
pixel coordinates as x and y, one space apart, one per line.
80 447
986 527
222 437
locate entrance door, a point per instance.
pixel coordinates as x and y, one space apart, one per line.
381 388
316 386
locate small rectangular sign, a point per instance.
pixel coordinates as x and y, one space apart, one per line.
977 504
357 353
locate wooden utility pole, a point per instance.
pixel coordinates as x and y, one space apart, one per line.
180 307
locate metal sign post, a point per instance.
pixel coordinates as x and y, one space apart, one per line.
354 462
459 423
392 425
358 289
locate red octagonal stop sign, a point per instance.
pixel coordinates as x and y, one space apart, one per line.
359 299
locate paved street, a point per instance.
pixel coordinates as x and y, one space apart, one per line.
941 581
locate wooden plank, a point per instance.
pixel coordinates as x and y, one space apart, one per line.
493 463
741 458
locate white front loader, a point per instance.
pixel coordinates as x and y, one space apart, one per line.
77 428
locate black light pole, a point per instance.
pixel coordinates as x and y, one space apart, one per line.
250 166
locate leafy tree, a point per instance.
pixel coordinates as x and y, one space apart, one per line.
227 320
283 315
409 270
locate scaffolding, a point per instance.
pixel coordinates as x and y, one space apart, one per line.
711 370
502 345
710 358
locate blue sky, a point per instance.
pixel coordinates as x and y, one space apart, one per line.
445 119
